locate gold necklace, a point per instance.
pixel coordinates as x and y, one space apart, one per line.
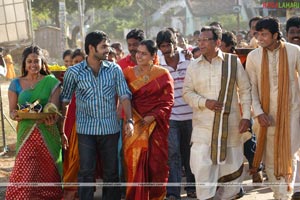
32 85
145 76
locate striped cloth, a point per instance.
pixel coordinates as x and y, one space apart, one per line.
95 96
181 111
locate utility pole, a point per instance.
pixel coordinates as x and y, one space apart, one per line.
30 21
81 7
237 9
238 17
62 22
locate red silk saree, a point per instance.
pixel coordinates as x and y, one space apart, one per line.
146 152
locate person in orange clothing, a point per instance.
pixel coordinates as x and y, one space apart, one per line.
10 74
71 156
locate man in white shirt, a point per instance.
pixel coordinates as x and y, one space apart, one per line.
210 88
181 116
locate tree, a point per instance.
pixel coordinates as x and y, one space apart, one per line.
51 8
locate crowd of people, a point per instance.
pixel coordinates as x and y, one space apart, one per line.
168 105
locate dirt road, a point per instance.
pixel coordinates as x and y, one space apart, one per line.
7 160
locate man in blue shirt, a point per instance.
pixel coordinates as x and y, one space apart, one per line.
97 83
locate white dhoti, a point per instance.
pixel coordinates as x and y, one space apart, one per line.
208 174
297 179
279 187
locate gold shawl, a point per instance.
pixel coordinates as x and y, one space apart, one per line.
228 80
282 146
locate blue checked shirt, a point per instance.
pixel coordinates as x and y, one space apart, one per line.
95 96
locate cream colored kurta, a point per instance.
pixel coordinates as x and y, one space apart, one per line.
202 82
253 67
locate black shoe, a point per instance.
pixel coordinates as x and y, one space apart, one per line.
296 196
240 194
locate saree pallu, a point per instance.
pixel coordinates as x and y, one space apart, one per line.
71 155
146 152
38 149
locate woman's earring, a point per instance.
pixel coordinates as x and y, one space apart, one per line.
151 63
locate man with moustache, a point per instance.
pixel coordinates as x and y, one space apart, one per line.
181 116
272 70
293 36
96 83
293 30
213 85
133 38
252 31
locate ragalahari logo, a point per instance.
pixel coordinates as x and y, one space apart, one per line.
282 5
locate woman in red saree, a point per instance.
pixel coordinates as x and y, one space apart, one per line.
38 148
146 151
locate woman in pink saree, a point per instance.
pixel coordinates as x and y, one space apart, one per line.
146 151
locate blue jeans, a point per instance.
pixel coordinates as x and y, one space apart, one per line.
179 155
107 147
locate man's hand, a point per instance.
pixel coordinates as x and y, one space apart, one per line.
129 129
187 54
264 120
244 125
213 105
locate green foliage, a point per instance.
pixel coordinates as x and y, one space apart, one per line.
97 4
51 8
40 18
229 22
114 21
43 8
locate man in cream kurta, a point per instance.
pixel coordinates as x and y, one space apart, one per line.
201 91
293 36
269 38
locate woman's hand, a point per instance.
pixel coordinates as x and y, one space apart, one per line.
64 141
14 115
51 119
148 120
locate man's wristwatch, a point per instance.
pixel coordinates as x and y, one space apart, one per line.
129 121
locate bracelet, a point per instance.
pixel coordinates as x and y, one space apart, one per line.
130 121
